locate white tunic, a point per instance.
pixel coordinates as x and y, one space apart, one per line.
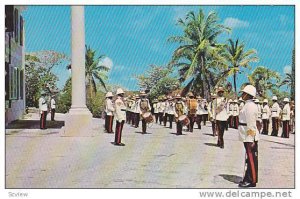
222 115
275 110
43 104
53 104
230 109
266 112
109 108
155 107
171 108
120 109
286 113
248 116
162 107
200 109
236 110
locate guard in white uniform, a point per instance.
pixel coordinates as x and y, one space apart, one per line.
266 113
276 110
212 114
221 116
155 109
230 113
137 117
43 108
199 113
286 116
161 109
258 120
249 136
53 107
109 110
235 114
143 107
179 111
171 111
120 114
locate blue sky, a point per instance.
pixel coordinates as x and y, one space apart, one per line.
134 37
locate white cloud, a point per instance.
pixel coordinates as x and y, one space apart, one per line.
287 69
106 62
235 23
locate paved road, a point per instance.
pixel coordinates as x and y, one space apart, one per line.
159 159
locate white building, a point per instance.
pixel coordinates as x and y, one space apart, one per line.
14 63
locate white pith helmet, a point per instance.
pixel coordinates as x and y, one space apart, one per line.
109 94
120 91
249 89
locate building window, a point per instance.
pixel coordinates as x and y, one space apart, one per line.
22 84
16 19
21 30
13 83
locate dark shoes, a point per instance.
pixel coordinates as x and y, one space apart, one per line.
119 144
246 184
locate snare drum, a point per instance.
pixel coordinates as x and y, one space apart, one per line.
148 117
184 120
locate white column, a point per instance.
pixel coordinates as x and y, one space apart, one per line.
78 121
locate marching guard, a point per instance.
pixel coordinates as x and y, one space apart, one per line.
171 111
192 110
249 136
205 111
200 112
266 113
53 107
120 114
137 112
109 109
221 116
179 111
143 107
161 109
286 112
230 113
155 109
235 114
43 108
276 110
212 114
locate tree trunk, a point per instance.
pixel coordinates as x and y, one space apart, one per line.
234 82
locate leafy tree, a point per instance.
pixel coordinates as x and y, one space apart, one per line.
158 80
38 77
198 49
237 57
64 100
265 80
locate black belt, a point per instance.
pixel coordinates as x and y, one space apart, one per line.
242 124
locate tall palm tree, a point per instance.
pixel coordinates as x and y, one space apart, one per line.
264 80
238 58
94 71
197 46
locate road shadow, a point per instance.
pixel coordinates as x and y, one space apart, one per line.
232 178
176 134
142 133
208 134
211 144
34 124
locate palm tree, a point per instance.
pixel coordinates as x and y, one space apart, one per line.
93 72
264 80
197 47
237 58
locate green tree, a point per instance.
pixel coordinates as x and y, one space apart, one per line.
236 58
158 80
198 48
265 80
38 77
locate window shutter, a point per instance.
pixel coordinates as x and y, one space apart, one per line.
9 18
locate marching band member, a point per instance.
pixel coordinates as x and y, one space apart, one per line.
109 109
155 109
171 111
235 114
230 113
179 110
199 112
166 116
221 116
266 113
192 110
249 136
137 112
205 111
161 109
286 113
120 114
276 110
143 107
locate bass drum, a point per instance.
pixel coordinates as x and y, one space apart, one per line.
184 120
148 117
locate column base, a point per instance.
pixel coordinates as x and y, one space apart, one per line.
78 122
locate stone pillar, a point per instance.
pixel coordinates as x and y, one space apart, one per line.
78 121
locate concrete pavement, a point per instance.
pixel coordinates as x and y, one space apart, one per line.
48 159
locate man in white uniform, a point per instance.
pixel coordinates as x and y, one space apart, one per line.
286 116
43 108
120 114
249 136
53 107
275 116
235 114
266 113
109 109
